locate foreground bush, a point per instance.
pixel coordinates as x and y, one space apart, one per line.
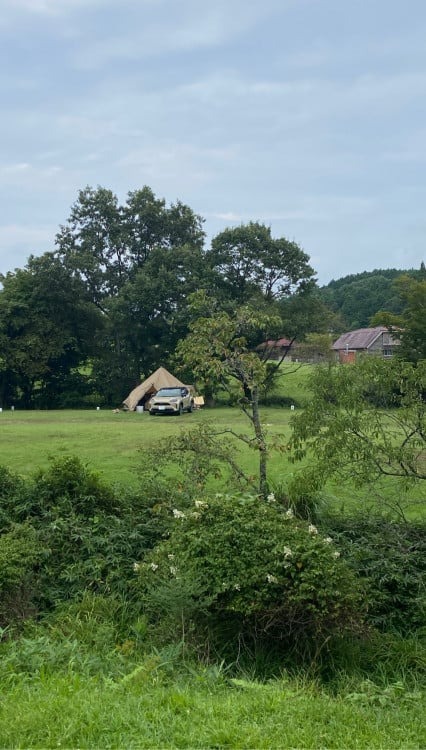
390 558
247 569
63 532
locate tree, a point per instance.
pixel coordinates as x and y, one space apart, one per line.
129 258
48 328
222 348
249 262
105 243
357 297
410 325
364 422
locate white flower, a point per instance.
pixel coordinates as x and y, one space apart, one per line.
312 529
178 513
173 570
136 567
289 513
271 579
201 504
287 552
153 566
328 540
271 497
171 557
336 554
237 587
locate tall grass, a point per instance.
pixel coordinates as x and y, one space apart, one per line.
204 709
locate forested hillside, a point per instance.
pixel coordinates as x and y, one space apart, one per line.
358 297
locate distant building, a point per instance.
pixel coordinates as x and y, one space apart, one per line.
375 341
276 348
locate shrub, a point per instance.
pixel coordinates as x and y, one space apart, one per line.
20 554
92 533
238 564
390 558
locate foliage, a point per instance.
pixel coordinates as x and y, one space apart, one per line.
47 329
220 348
249 262
90 533
358 297
390 557
181 465
240 565
350 436
409 326
21 553
137 262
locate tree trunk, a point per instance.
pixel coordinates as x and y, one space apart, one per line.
261 444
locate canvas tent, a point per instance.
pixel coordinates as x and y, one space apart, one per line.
161 378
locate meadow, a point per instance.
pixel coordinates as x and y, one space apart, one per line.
82 680
112 444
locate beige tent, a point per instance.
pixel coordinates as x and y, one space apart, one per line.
161 378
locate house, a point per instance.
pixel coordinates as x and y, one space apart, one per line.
275 348
374 341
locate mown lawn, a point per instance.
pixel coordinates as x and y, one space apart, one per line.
110 442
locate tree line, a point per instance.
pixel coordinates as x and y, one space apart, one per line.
84 322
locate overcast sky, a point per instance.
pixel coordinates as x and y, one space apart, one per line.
307 115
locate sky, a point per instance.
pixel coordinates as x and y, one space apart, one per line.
306 115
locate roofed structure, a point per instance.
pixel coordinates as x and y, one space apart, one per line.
377 341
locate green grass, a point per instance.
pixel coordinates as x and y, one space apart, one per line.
110 442
199 712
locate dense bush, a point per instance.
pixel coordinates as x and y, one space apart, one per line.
20 555
90 534
240 566
390 558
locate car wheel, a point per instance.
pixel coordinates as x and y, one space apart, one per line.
190 407
180 409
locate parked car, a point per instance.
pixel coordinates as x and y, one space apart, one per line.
171 401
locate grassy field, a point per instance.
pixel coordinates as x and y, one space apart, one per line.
108 442
111 444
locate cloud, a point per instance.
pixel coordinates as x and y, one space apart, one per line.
18 242
25 174
49 7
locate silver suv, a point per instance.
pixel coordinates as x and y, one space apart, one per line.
172 401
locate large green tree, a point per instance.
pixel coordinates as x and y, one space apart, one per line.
249 262
48 327
134 260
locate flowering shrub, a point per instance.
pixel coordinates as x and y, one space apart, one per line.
254 564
